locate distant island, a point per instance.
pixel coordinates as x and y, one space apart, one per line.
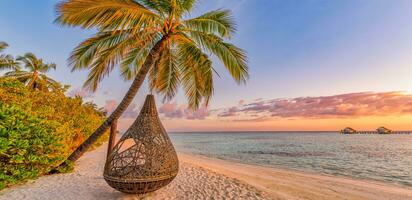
380 130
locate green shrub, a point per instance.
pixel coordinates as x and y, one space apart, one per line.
39 129
29 145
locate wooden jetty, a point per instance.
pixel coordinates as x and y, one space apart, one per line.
376 132
380 130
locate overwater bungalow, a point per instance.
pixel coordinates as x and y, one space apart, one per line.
383 130
348 130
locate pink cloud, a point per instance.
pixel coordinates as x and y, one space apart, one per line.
344 105
175 111
172 110
241 102
84 93
131 112
110 105
230 112
167 110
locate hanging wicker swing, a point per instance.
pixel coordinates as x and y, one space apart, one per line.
144 159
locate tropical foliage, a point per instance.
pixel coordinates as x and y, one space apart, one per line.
152 37
39 129
6 61
129 29
35 76
28 145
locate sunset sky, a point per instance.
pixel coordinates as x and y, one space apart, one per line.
314 65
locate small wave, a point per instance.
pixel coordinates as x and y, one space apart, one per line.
288 154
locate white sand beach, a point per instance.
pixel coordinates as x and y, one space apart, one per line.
205 178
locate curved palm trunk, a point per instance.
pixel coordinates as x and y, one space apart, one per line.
127 99
33 82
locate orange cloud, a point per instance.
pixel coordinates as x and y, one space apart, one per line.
362 111
285 124
336 106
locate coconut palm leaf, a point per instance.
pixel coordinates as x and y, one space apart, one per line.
219 22
168 74
233 58
105 14
7 62
3 46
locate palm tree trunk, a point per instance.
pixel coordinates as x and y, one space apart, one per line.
127 99
33 82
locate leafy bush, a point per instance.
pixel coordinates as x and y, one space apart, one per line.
29 145
39 129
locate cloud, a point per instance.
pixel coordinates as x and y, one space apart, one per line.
175 111
168 110
241 102
79 91
172 110
336 106
111 105
230 112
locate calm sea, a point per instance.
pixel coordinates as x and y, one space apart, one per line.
385 158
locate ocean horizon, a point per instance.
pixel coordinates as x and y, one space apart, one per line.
385 158
274 131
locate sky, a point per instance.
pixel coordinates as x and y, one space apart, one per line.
313 64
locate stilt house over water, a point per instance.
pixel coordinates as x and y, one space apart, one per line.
383 130
348 130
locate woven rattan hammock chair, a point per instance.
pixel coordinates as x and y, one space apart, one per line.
144 159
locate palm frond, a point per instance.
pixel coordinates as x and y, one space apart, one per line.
168 74
135 57
22 76
3 46
108 56
105 14
85 53
179 7
8 62
186 5
32 63
196 71
219 22
162 7
233 58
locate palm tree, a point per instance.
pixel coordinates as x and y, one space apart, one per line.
35 76
7 61
152 37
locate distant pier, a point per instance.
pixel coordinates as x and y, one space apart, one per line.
376 132
380 130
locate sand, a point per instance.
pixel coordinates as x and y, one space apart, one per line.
290 184
205 178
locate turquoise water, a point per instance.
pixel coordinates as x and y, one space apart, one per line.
385 158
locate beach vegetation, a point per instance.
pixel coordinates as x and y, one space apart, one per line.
39 129
7 61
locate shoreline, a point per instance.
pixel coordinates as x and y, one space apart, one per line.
202 177
294 184
295 170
